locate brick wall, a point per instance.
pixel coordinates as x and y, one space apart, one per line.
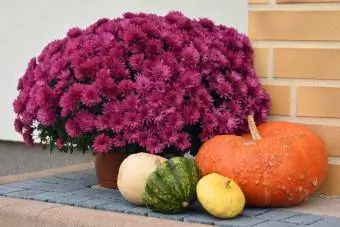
297 56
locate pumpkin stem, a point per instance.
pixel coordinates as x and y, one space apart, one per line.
253 129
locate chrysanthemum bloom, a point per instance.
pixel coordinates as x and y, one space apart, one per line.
143 82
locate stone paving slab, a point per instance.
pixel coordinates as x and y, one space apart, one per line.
76 189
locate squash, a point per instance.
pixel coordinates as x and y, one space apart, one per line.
280 164
133 174
220 196
172 187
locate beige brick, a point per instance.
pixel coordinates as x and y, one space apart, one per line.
261 58
322 25
257 1
305 1
317 63
318 101
332 185
280 98
330 134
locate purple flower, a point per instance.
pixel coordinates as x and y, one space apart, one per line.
102 143
190 56
136 61
190 79
72 128
141 79
116 123
46 116
85 121
90 96
102 122
74 32
183 141
70 99
18 105
60 143
18 125
131 102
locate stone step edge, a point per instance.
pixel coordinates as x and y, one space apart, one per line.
30 213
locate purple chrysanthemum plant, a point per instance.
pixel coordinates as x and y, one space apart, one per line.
142 82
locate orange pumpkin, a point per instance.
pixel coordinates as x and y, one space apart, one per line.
280 164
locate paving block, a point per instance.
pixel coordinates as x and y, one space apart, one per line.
107 194
91 171
276 215
240 221
327 222
54 180
201 217
73 176
46 196
27 184
251 212
62 188
304 219
6 189
117 206
85 182
24 194
92 203
277 224
84 191
139 211
69 200
176 217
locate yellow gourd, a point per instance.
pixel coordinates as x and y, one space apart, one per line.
220 196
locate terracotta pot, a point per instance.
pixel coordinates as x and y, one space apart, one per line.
107 167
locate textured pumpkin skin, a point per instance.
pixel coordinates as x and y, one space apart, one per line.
172 187
133 174
283 168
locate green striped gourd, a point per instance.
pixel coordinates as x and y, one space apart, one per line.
172 186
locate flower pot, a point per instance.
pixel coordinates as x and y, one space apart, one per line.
107 167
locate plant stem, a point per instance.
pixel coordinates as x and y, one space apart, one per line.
253 129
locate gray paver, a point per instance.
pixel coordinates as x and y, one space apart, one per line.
23 194
6 189
277 224
240 221
176 217
327 222
106 194
62 188
304 219
45 196
73 176
202 218
92 203
54 180
69 200
84 191
277 215
138 210
117 208
27 184
251 212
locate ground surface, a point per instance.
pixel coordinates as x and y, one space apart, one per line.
15 158
78 189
